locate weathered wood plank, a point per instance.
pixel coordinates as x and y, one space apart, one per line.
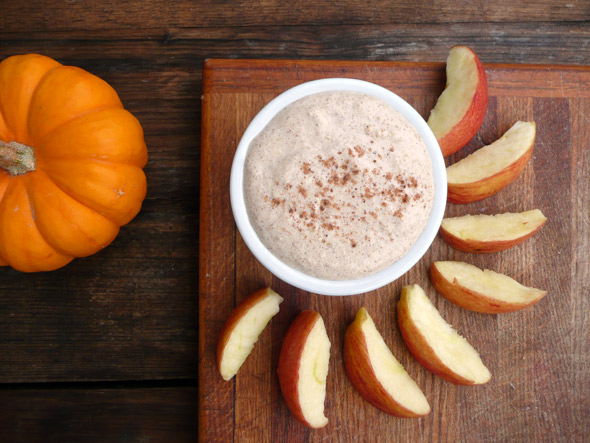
579 298
162 14
98 414
165 58
217 276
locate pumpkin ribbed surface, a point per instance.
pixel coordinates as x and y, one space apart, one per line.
89 154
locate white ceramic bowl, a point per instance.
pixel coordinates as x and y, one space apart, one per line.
294 276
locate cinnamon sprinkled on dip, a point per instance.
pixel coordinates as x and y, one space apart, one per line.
338 185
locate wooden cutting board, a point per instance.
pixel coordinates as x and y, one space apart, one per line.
538 357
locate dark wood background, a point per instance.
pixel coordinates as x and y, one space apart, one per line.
106 348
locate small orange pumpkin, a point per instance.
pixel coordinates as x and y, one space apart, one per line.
71 163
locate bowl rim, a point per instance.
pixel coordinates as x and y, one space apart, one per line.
294 276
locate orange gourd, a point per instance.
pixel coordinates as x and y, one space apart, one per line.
71 163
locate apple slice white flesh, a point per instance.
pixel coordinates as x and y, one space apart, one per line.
375 372
242 329
461 108
434 343
491 233
481 291
493 167
303 368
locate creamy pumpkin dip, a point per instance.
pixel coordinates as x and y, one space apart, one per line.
338 185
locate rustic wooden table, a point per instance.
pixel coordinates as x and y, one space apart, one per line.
106 349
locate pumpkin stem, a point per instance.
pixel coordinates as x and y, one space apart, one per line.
17 158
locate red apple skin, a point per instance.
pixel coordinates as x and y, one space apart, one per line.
471 300
468 126
475 191
235 316
483 247
361 375
289 358
420 348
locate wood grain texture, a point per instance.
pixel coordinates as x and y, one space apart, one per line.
98 414
537 356
130 312
143 321
114 15
176 51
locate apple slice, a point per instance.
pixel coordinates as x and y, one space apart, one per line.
434 343
375 372
481 291
461 107
493 167
242 329
491 233
303 368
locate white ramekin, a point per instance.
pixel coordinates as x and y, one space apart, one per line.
295 277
